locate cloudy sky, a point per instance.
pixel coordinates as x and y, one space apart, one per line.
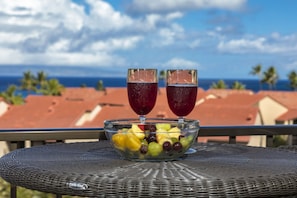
221 38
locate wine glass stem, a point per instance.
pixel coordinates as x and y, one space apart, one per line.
142 119
181 120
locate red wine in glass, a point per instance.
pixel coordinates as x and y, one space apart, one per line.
181 89
142 96
142 87
181 98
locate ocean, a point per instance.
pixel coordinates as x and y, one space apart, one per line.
5 81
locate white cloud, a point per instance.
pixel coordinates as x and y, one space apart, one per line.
168 36
273 44
10 56
44 13
61 32
60 58
57 32
181 63
242 45
104 18
195 43
113 44
183 5
79 59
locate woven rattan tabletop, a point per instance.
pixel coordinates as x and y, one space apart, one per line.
93 169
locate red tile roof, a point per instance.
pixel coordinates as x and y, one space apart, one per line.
291 114
287 98
222 93
220 114
115 96
51 111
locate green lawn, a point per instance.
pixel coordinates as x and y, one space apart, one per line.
23 192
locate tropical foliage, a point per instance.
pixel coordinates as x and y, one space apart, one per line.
270 77
257 70
28 82
40 84
162 75
32 83
219 85
51 87
100 86
10 97
238 85
292 76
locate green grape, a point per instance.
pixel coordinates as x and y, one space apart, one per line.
185 142
154 149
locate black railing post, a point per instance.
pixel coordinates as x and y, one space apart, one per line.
232 139
293 140
269 141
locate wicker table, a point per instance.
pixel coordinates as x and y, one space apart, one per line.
93 169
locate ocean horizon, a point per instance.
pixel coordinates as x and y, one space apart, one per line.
250 84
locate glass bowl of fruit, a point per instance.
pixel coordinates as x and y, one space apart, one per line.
155 140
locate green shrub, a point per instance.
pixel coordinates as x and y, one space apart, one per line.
23 192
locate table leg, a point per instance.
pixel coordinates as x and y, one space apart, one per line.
13 191
14 146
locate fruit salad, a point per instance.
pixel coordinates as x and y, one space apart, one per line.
160 141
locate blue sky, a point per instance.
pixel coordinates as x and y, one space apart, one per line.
221 38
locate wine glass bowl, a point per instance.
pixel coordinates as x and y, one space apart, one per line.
142 87
181 89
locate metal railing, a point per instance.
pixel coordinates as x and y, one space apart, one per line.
16 137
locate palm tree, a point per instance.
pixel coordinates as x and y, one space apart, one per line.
41 78
257 70
52 87
238 85
270 77
162 76
219 85
28 82
100 86
10 97
293 80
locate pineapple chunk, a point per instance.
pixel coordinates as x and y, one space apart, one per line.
138 132
174 132
165 126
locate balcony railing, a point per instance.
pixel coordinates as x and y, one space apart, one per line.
35 135
16 137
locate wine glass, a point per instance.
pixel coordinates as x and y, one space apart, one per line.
181 89
142 87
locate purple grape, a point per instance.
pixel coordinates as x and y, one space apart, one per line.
177 146
143 149
167 146
151 138
152 128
